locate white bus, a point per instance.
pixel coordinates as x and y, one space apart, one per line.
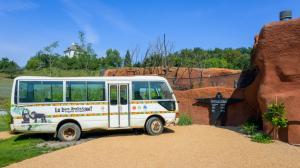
66 106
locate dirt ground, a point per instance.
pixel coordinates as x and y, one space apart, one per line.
190 146
5 135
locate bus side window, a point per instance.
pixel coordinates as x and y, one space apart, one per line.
159 90
30 91
113 95
140 90
76 91
95 91
16 92
123 94
53 91
38 91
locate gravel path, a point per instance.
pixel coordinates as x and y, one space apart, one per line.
191 146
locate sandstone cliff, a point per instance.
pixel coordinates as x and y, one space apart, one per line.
277 58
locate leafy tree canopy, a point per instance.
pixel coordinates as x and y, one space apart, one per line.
86 58
9 67
112 58
127 59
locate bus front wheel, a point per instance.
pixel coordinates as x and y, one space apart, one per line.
69 132
154 126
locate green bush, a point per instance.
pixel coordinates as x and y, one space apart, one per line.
5 120
184 119
249 128
276 115
261 138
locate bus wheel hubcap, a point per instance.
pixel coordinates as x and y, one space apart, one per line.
156 126
69 133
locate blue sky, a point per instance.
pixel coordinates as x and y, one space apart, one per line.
29 25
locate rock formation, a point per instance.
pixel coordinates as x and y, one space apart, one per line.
277 58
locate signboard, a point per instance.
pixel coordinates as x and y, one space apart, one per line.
218 105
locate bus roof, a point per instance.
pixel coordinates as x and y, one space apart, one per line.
125 78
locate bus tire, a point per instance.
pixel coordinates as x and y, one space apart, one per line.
69 132
154 126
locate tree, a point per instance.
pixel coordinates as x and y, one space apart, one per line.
86 57
127 60
275 114
156 59
82 40
216 63
189 57
4 62
48 50
44 58
9 67
12 70
34 63
113 58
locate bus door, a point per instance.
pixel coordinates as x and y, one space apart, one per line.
118 115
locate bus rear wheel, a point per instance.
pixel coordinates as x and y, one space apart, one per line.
154 126
69 132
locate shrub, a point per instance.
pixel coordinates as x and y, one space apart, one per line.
5 120
276 116
261 138
184 119
249 128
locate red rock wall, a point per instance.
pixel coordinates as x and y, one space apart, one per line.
197 77
237 113
277 56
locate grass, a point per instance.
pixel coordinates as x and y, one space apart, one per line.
19 148
4 123
261 138
5 119
184 119
249 128
5 87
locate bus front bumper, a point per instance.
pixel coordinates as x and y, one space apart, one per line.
170 122
12 128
